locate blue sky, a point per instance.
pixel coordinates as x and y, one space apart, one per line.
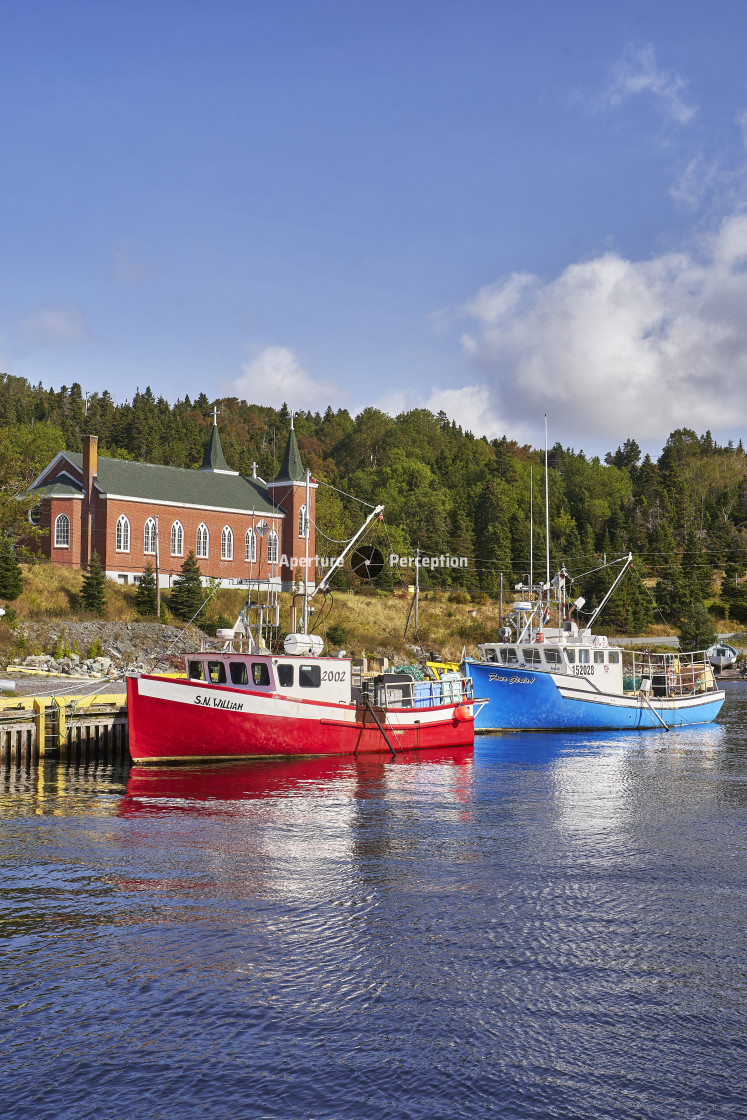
491 208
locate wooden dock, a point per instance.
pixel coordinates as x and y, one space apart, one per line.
68 728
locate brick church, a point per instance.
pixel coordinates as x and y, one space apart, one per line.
241 529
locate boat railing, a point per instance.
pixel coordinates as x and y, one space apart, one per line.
237 644
672 675
399 691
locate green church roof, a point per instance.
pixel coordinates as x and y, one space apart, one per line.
63 486
178 485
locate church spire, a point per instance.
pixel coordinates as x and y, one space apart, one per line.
291 469
214 460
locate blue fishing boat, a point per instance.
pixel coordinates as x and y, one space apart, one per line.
540 678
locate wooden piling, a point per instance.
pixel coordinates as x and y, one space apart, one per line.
81 729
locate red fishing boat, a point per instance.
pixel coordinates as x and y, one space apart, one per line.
239 700
251 705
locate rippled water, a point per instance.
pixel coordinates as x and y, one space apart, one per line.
551 927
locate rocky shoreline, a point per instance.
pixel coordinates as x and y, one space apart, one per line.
121 645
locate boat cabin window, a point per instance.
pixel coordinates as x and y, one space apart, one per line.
491 654
309 676
571 655
614 657
583 656
508 656
552 656
260 672
195 671
285 676
217 672
532 656
598 657
238 672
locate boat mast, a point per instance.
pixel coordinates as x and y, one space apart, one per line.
531 530
306 555
547 519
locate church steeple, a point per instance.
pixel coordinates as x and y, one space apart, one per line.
291 469
214 459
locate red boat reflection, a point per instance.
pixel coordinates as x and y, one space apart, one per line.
174 788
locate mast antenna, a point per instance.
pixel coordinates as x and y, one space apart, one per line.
531 529
547 516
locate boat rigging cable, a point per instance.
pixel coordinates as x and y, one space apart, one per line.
179 636
326 536
657 608
344 493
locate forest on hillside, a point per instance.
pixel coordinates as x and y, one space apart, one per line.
683 515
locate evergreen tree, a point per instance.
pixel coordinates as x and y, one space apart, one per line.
673 593
492 536
734 594
145 599
697 630
93 591
661 547
695 565
187 593
505 464
11 577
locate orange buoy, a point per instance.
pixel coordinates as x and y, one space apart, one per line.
463 712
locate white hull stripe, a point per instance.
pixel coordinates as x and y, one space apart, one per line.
270 704
610 700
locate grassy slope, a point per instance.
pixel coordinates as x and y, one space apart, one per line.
374 624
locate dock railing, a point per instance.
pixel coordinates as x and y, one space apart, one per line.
670 675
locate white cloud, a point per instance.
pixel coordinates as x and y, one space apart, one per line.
636 73
697 181
276 376
717 180
614 348
55 326
471 406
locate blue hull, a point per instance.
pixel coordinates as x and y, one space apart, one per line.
524 700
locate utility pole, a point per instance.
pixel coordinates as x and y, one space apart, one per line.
417 587
500 606
414 604
158 576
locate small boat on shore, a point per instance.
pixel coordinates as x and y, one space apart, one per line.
722 656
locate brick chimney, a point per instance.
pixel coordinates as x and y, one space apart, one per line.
90 469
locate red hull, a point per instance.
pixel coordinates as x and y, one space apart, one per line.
190 721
